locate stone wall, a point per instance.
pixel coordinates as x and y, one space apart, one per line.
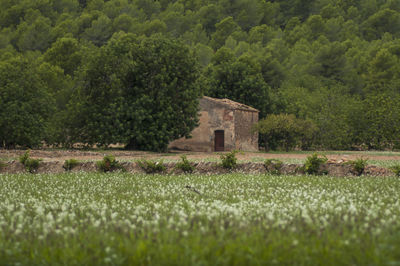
245 139
334 170
213 116
235 119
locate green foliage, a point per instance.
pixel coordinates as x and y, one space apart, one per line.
395 169
70 164
100 31
358 165
224 29
238 79
185 165
101 72
352 209
135 94
380 126
337 118
285 131
385 20
66 53
26 104
273 166
34 35
30 164
229 160
152 167
109 164
312 165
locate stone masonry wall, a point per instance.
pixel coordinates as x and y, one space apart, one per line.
213 116
245 140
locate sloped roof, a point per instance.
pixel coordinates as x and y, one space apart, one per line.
231 104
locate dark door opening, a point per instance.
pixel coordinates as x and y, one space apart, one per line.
219 140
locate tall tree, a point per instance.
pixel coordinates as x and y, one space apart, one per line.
139 92
25 104
238 79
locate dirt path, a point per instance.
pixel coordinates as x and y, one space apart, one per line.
62 155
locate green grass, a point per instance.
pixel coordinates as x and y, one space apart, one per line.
361 153
7 159
233 219
383 163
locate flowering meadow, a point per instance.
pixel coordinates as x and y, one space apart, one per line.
232 219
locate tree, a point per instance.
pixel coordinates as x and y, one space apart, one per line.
224 28
209 16
238 79
248 13
336 113
154 27
262 34
383 71
381 120
124 22
25 104
316 25
66 26
385 20
139 92
65 53
100 31
34 35
332 61
285 131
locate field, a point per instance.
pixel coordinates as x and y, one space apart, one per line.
379 158
232 219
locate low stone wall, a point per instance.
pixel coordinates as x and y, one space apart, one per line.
333 169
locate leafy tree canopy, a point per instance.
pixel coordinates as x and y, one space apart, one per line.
135 90
319 60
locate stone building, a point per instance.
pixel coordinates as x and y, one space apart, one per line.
224 125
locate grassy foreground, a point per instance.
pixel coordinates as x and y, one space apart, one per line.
234 219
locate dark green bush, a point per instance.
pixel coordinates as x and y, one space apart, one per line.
358 165
185 165
285 131
152 167
313 164
69 164
26 102
30 164
395 169
109 164
229 160
273 166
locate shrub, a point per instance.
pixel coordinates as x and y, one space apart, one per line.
273 166
313 164
109 164
229 160
358 165
395 169
30 164
185 165
285 131
152 167
69 164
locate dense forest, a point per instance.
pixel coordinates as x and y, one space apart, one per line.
325 74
